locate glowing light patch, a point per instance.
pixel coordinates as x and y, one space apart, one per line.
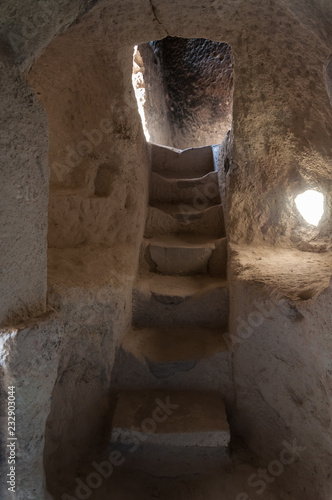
139 88
310 204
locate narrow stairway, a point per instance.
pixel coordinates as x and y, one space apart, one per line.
173 367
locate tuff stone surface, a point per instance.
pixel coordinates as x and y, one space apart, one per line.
180 300
29 361
279 145
180 255
24 200
181 419
178 358
279 322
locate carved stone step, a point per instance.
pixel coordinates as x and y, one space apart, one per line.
185 254
179 219
170 418
175 358
191 191
175 163
180 300
180 255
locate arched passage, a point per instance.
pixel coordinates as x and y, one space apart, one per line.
188 90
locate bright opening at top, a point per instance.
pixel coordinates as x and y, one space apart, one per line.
310 204
139 88
184 91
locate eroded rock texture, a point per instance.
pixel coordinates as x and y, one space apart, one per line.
77 58
29 363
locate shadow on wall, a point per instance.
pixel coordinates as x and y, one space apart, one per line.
188 90
328 78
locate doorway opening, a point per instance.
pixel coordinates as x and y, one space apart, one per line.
184 91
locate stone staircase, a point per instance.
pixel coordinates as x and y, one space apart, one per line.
172 373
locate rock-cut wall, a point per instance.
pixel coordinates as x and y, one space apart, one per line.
80 53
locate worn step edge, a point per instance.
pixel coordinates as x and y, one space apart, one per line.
168 219
176 418
196 190
189 439
179 256
188 162
184 255
163 345
177 289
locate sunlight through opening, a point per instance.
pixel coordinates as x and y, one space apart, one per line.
310 204
139 88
